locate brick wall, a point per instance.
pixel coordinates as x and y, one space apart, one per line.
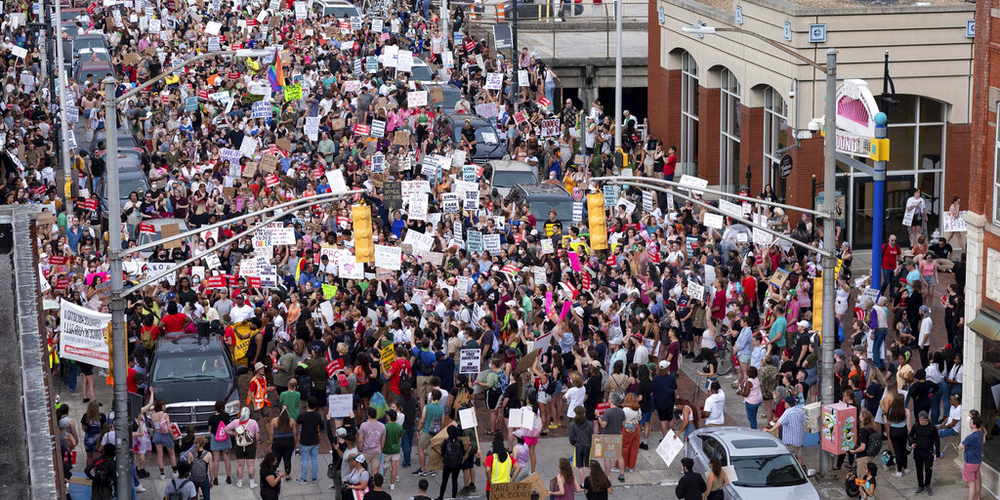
959 145
807 161
708 134
982 133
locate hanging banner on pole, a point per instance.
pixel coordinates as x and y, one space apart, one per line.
82 335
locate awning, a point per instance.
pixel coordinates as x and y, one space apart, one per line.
987 324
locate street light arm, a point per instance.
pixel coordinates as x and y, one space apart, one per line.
304 203
633 181
183 64
708 30
312 200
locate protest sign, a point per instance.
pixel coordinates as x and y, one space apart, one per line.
469 361
82 335
340 405
606 446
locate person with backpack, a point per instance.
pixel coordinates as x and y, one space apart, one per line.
181 487
494 392
453 452
423 366
200 459
102 475
429 425
245 430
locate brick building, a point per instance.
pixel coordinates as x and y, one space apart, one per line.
981 350
732 102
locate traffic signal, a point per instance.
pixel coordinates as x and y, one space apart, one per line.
364 246
621 159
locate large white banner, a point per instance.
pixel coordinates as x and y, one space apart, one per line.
81 335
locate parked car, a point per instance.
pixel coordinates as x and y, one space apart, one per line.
129 160
504 174
541 198
126 141
128 181
764 468
420 71
192 372
89 41
99 70
158 224
449 93
339 8
489 144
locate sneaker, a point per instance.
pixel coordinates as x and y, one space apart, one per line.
929 490
418 472
142 473
239 483
315 479
643 446
464 491
300 481
434 473
229 480
919 490
906 471
215 482
621 478
392 486
253 484
614 469
897 474
139 489
472 487
162 476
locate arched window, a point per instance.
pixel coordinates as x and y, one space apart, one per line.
729 128
689 116
777 136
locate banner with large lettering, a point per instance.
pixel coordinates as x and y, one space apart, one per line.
81 335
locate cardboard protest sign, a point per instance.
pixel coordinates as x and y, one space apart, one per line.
606 446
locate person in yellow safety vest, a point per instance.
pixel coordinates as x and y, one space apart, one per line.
500 465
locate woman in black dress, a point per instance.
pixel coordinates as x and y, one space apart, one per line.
270 478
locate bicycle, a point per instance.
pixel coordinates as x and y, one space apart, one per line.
725 354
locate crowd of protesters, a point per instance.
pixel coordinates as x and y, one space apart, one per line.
587 339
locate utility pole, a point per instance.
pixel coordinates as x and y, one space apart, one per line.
829 234
879 167
64 125
618 76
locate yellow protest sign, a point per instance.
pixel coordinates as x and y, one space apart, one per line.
329 291
293 92
388 357
244 332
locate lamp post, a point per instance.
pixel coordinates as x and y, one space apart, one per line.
828 259
123 429
618 76
63 124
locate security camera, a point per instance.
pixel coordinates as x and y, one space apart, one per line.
815 124
791 94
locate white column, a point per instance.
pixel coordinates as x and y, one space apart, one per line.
972 350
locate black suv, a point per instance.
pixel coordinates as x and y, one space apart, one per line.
191 372
541 198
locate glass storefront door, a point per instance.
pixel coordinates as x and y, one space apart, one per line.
897 189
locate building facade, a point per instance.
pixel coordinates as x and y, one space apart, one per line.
736 106
981 349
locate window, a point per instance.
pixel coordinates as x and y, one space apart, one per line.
689 116
776 138
729 127
996 174
768 471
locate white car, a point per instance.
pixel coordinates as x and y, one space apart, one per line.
763 466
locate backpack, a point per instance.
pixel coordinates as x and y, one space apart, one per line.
178 493
435 425
243 436
454 452
874 445
504 381
147 339
104 473
850 487
199 468
305 385
423 368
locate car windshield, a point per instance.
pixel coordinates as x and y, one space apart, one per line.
129 184
540 209
507 178
193 367
767 471
341 11
422 73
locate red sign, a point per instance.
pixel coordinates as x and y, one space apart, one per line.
298 36
469 45
203 94
165 97
360 129
90 203
222 38
62 283
251 22
234 75
611 260
91 8
601 408
318 172
253 282
145 227
510 269
521 117
345 25
543 102
236 46
58 260
586 281
230 278
215 282
333 366
272 180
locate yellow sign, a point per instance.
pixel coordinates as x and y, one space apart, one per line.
388 357
364 246
598 222
329 291
817 304
293 92
879 150
244 332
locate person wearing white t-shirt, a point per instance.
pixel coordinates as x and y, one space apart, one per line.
715 405
241 310
924 337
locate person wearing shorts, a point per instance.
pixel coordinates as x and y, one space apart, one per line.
972 456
